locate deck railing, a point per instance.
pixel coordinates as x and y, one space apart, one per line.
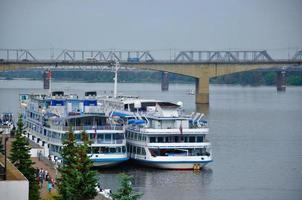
80 128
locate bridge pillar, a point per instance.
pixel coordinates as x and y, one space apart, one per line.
202 90
281 81
164 81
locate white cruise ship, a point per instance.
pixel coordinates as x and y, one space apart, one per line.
159 134
47 119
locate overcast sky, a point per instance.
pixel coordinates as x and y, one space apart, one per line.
275 25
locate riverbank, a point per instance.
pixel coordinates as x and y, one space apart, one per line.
255 78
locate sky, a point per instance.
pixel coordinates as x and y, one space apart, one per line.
158 25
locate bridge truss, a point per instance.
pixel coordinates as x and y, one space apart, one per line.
19 56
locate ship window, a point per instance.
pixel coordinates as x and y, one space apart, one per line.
143 151
118 149
192 139
135 136
139 136
77 136
139 151
107 137
95 149
199 139
129 135
134 150
160 139
128 148
124 149
152 139
118 136
100 136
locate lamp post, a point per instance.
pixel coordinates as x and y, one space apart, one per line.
5 168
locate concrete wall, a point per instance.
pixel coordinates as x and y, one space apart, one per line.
14 190
34 152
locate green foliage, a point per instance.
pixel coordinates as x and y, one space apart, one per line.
20 157
13 132
294 80
77 181
125 192
243 78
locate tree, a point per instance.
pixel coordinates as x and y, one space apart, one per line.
1 147
77 180
20 157
125 192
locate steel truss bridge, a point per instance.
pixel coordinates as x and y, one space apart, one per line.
107 57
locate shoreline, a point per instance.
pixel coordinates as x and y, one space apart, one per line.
172 83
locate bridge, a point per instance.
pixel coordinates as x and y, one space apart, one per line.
201 65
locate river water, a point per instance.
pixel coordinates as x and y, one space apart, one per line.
256 135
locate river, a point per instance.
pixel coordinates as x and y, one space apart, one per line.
256 135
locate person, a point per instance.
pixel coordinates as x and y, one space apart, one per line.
49 186
45 175
37 172
39 155
41 180
52 182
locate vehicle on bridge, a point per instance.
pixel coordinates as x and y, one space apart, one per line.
133 60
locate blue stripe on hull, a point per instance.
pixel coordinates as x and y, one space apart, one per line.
106 162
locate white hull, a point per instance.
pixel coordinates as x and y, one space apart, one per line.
108 164
172 165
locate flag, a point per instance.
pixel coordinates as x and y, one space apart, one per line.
49 74
94 136
180 130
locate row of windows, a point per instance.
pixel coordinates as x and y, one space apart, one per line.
55 148
176 139
34 116
135 136
100 150
136 150
108 137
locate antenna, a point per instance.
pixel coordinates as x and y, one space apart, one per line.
117 67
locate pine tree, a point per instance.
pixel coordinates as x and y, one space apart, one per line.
77 180
125 192
20 157
1 147
68 170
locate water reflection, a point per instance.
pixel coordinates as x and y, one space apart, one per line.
147 180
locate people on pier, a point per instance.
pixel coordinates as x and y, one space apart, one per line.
43 175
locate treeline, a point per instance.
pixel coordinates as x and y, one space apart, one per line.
244 78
